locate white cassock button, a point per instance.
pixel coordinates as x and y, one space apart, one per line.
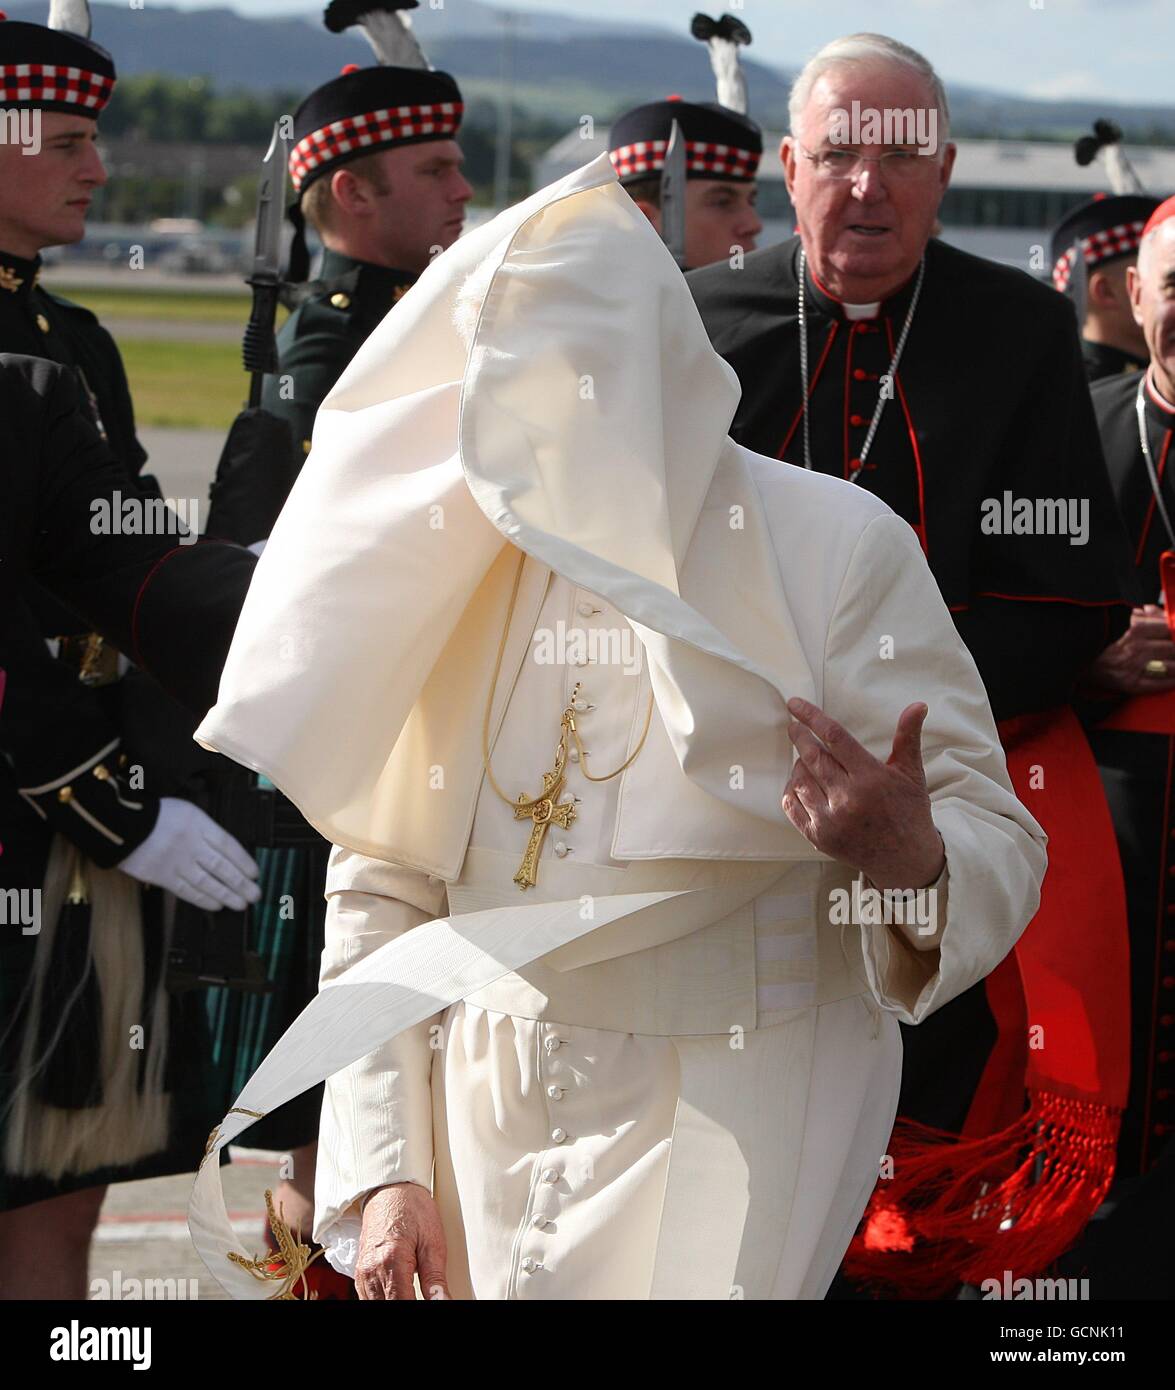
550 1175
560 848
573 754
555 1092
530 1265
585 610
558 1135
553 1044
581 706
538 1222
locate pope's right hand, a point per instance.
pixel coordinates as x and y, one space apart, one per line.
402 1235
199 861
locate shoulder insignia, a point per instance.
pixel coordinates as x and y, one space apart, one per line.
341 300
9 279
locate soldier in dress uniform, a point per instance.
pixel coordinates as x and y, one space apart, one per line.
85 795
1104 232
723 147
376 169
1135 749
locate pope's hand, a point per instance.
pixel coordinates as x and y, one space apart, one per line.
871 815
402 1235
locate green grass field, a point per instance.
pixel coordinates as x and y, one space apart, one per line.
178 384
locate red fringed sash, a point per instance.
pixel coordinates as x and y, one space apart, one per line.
1016 1189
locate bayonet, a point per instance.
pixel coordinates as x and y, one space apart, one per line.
673 195
260 347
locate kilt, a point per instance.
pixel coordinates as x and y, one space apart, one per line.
198 1095
286 931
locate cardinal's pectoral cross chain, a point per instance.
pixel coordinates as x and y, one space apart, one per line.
542 811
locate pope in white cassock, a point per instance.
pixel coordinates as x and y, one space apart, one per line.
619 731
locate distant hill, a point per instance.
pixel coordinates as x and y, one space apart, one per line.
562 66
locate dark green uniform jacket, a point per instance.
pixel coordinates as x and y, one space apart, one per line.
327 329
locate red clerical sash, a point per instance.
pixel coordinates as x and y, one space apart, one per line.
1016 1189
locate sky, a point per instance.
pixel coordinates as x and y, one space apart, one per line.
1120 50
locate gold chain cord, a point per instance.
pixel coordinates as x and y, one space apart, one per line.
290 1262
567 723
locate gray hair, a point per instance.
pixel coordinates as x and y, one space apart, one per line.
865 48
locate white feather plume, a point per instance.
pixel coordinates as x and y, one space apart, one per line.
728 74
70 17
390 35
1121 173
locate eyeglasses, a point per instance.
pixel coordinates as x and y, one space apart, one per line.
894 166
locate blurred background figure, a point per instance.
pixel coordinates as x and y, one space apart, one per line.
723 147
1093 247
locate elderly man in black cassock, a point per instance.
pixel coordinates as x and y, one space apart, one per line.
952 388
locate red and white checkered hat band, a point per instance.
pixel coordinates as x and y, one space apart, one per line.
373 130
44 82
1097 247
701 157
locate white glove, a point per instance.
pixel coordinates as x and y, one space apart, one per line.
191 856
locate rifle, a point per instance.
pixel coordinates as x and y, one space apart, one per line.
257 464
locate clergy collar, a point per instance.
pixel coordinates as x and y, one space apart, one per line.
18 276
833 308
1159 410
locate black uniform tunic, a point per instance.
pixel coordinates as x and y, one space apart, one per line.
38 324
337 315
1101 360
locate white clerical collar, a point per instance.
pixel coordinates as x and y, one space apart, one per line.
1156 395
861 311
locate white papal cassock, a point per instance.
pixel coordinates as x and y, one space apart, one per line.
670 1068
551 1138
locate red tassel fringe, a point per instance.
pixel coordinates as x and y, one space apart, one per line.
964 1210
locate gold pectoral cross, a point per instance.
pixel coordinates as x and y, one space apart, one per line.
543 810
